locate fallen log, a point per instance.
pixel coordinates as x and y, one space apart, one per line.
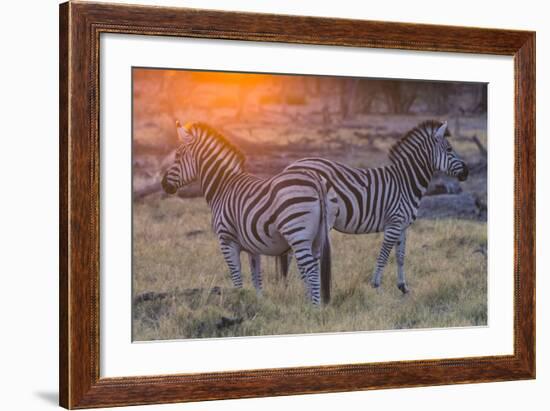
461 205
146 191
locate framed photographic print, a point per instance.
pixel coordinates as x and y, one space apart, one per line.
257 205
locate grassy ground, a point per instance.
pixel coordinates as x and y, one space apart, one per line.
182 289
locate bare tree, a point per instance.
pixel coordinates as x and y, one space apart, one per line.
400 96
348 97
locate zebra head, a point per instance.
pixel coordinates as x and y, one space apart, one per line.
445 158
183 170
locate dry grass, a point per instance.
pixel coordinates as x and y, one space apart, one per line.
176 253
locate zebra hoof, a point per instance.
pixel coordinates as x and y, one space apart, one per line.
403 287
315 303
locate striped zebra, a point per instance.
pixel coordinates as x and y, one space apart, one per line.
258 216
386 199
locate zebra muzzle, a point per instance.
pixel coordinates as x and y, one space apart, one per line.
463 174
167 187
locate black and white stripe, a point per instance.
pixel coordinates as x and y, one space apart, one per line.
261 217
386 199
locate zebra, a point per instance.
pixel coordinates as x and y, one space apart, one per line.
258 216
386 199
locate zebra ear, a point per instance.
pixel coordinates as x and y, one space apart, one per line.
440 133
183 134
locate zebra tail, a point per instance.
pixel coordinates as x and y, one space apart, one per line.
326 270
324 242
282 265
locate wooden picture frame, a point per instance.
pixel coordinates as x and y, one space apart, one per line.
80 27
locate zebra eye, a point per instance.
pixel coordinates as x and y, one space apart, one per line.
449 149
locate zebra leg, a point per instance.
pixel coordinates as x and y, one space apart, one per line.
308 265
231 254
256 269
391 235
400 257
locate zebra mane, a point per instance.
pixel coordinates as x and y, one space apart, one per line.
420 132
210 131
